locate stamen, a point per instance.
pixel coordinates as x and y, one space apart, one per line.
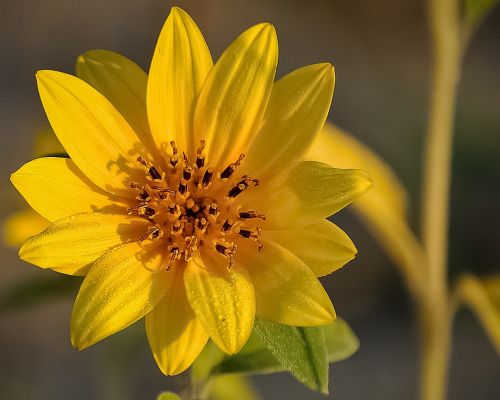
191 247
207 177
228 250
183 185
174 254
253 235
251 214
227 225
176 228
200 157
242 185
163 192
142 210
235 191
151 168
174 159
232 167
213 209
153 233
187 173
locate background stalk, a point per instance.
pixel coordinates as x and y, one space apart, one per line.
445 31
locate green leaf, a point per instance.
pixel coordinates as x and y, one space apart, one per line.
35 291
302 351
225 387
168 396
341 342
474 11
257 358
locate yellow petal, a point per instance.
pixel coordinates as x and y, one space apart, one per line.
286 290
323 246
55 189
223 299
383 208
175 335
123 83
71 244
120 288
336 147
234 97
21 225
95 135
308 193
297 110
180 64
483 297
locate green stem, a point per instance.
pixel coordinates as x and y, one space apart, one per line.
444 24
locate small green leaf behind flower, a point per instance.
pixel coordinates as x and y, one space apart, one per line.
304 352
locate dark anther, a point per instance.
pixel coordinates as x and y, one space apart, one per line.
212 209
207 177
245 233
200 161
200 157
227 225
187 173
144 196
235 191
202 222
221 248
172 208
251 214
148 211
232 167
154 173
175 158
183 186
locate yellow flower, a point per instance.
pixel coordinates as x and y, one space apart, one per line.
185 200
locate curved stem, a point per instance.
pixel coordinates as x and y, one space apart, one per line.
444 24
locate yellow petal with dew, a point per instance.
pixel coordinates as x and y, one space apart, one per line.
71 244
95 135
296 111
323 246
175 335
234 97
286 290
383 208
223 299
482 296
121 287
307 193
180 65
55 188
123 83
21 225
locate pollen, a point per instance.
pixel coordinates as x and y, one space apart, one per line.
192 206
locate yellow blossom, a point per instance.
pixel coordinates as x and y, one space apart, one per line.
185 200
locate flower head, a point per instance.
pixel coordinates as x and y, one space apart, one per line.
185 200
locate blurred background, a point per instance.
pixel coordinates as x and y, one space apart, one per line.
381 55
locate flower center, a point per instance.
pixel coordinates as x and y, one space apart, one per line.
191 205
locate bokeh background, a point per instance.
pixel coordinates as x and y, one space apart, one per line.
381 54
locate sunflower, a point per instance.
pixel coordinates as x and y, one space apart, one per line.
185 199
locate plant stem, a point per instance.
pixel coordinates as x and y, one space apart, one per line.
444 25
